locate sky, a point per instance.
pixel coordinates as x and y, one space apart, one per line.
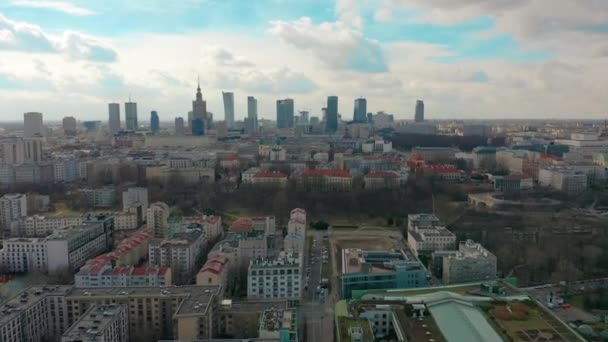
477 59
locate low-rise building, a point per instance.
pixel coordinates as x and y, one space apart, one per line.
98 198
381 180
423 219
279 325
563 178
42 226
512 183
100 323
278 277
105 275
426 239
363 270
214 272
326 180
273 179
376 145
470 263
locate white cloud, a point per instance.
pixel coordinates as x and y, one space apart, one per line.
383 15
58 6
224 57
20 36
334 44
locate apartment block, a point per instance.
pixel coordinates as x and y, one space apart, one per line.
100 323
278 277
470 263
179 253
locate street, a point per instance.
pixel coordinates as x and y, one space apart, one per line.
316 311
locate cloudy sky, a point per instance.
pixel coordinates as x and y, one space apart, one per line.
465 58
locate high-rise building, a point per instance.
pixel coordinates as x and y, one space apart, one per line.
17 151
13 207
179 126
252 112
370 118
198 127
136 200
285 113
331 124
304 117
131 116
419 111
114 117
228 108
33 125
360 113
199 111
157 219
154 122
69 126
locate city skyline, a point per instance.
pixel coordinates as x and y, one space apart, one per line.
464 60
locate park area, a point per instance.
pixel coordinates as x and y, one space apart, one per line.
525 322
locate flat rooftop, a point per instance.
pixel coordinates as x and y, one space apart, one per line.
94 322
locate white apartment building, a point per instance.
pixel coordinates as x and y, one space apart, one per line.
157 216
69 249
13 207
273 278
297 222
179 253
42 226
425 235
96 275
135 199
21 255
125 220
470 263
563 178
37 314
66 170
247 175
100 323
377 146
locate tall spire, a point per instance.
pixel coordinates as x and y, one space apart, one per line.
199 83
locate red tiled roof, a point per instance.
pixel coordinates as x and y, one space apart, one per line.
139 271
550 156
325 173
381 174
241 225
440 168
230 158
214 265
163 270
270 174
121 271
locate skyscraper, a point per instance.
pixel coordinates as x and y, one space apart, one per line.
33 125
419 111
199 111
114 117
304 117
198 127
331 124
131 116
252 112
360 113
179 126
69 126
285 113
228 108
154 122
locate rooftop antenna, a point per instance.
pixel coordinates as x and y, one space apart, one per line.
129 97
